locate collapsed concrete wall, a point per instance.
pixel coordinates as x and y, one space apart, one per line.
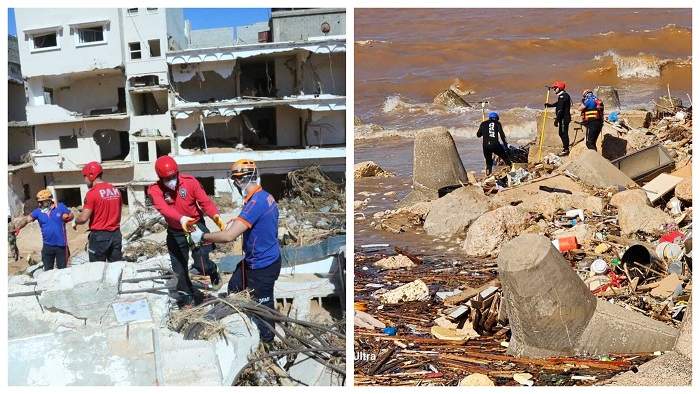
107 324
553 313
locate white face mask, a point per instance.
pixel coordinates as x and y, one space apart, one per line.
171 184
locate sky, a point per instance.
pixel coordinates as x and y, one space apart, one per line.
201 18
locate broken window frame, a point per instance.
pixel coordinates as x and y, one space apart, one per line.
150 48
45 34
132 51
68 141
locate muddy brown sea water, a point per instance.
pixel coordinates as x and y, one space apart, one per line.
407 56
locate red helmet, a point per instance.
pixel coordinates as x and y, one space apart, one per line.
166 167
561 85
92 170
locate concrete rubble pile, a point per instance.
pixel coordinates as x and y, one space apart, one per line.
313 208
584 261
106 324
116 324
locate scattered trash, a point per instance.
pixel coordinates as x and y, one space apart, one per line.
391 331
524 379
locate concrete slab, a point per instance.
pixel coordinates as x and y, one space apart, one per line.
594 170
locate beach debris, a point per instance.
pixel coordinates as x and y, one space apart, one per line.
476 379
365 320
394 262
414 291
368 169
524 379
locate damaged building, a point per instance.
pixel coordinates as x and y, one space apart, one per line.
125 86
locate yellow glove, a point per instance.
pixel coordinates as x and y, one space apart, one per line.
219 222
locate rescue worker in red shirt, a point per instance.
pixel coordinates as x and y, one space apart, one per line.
183 202
103 208
258 223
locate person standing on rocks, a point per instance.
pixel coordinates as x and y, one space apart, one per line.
103 208
562 114
52 218
490 130
182 201
258 223
592 112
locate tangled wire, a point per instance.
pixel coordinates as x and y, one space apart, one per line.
324 344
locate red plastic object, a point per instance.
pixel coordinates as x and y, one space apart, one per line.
567 243
672 236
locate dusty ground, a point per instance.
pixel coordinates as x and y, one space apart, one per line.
29 243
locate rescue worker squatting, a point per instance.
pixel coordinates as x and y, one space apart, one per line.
183 203
52 218
258 223
490 130
103 208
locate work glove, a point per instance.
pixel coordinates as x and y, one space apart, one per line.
556 123
196 235
186 222
219 222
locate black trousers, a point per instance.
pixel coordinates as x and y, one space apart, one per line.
261 282
489 150
105 246
179 251
564 133
54 256
593 129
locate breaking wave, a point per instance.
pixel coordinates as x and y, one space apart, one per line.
641 66
397 104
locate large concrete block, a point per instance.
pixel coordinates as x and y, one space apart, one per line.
453 213
436 164
594 170
552 312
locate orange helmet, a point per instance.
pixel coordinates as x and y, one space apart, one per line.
561 85
44 195
242 168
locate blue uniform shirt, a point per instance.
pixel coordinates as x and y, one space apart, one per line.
53 229
261 216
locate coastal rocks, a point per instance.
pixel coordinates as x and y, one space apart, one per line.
452 98
594 170
414 291
368 169
548 204
630 198
436 164
453 213
394 262
642 218
402 219
490 230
